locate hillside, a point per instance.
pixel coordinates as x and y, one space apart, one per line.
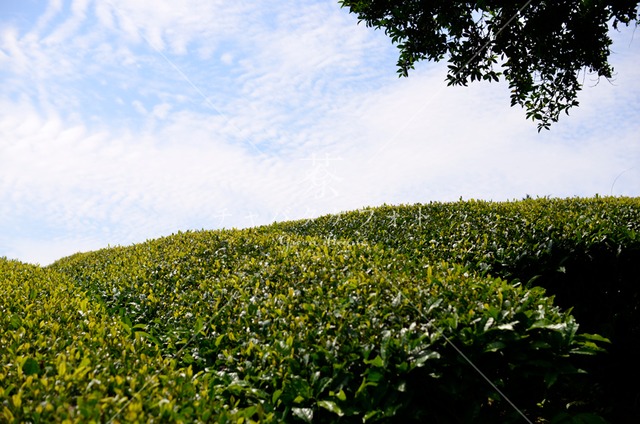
459 312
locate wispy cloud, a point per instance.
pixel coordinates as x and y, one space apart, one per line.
121 121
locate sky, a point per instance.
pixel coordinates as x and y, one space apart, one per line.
123 121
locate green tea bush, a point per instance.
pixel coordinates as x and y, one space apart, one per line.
299 328
64 359
585 252
424 313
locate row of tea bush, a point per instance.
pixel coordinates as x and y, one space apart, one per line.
409 313
583 251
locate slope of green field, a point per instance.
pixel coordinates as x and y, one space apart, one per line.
584 252
393 314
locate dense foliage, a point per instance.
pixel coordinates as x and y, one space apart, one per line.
586 252
64 359
541 46
377 315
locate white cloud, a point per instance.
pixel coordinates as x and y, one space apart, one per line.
161 111
227 58
64 32
139 107
179 24
152 117
53 8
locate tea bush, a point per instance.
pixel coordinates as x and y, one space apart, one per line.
339 331
393 314
64 359
585 252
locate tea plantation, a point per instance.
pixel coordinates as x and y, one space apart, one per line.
460 312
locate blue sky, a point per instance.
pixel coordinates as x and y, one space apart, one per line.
122 121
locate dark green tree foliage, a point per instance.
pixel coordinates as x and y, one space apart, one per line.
540 47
